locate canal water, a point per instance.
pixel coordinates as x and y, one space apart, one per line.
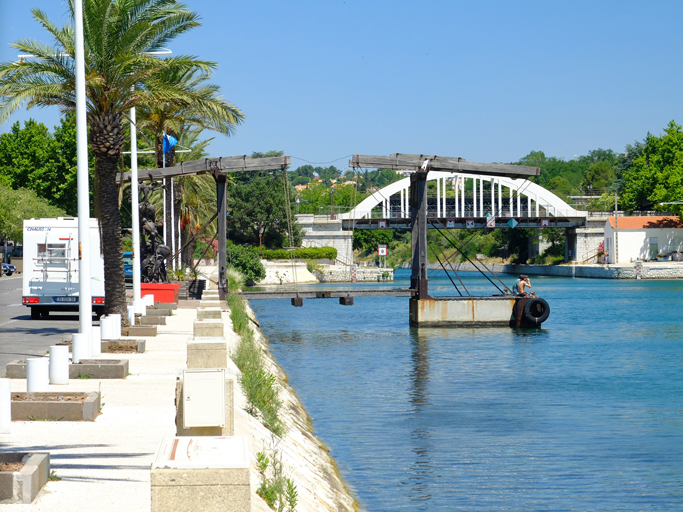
583 414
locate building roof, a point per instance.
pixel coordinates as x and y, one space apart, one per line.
647 222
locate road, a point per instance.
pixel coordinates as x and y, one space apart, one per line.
21 337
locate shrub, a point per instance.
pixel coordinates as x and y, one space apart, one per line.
306 253
247 261
259 386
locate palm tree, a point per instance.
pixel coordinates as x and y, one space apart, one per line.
120 74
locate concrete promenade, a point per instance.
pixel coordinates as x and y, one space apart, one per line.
105 465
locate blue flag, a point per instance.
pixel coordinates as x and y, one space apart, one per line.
169 142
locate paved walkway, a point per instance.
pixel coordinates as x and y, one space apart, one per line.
105 465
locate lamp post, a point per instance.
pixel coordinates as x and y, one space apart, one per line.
84 290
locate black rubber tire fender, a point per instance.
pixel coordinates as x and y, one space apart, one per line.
532 305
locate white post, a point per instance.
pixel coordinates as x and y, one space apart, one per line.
462 197
481 197
131 315
117 325
455 188
37 375
173 225
135 208
80 346
84 291
59 364
512 204
493 198
519 204
403 211
5 406
536 199
528 200
96 341
474 197
500 198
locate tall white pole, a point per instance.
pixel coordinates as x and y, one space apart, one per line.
135 207
438 197
84 292
462 196
172 224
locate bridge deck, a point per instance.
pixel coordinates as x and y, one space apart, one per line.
329 294
461 222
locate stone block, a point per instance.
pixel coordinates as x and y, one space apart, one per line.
216 479
158 312
152 320
209 314
166 305
23 486
207 353
208 328
139 343
57 410
210 303
227 430
87 368
139 330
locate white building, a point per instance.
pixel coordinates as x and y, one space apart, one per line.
642 238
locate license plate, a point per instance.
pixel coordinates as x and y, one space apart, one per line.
66 299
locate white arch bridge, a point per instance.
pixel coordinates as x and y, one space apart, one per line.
463 200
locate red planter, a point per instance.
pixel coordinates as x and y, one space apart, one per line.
163 292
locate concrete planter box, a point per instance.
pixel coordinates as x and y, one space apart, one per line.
23 486
208 328
111 345
93 368
151 320
209 313
139 330
163 292
48 406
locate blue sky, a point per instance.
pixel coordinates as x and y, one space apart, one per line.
487 81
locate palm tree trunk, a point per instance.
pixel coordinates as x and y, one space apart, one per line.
106 138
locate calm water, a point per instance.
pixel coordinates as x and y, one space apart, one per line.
585 414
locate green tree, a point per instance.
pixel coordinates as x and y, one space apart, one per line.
656 174
248 261
31 157
318 195
369 239
18 205
257 208
119 75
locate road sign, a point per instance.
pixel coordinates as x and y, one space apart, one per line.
382 224
450 223
490 221
545 223
512 223
469 224
381 250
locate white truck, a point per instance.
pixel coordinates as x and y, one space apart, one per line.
51 266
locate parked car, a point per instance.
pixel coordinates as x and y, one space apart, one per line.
7 269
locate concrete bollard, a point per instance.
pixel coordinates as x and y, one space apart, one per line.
149 300
131 315
107 329
59 364
117 325
5 406
37 375
140 307
95 341
80 346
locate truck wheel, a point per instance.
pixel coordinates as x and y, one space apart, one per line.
35 313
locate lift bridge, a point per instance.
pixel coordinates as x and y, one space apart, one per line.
528 205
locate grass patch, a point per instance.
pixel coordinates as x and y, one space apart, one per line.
53 477
259 385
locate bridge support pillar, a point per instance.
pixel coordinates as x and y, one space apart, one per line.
418 228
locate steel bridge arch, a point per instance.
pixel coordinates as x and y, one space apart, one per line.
542 198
